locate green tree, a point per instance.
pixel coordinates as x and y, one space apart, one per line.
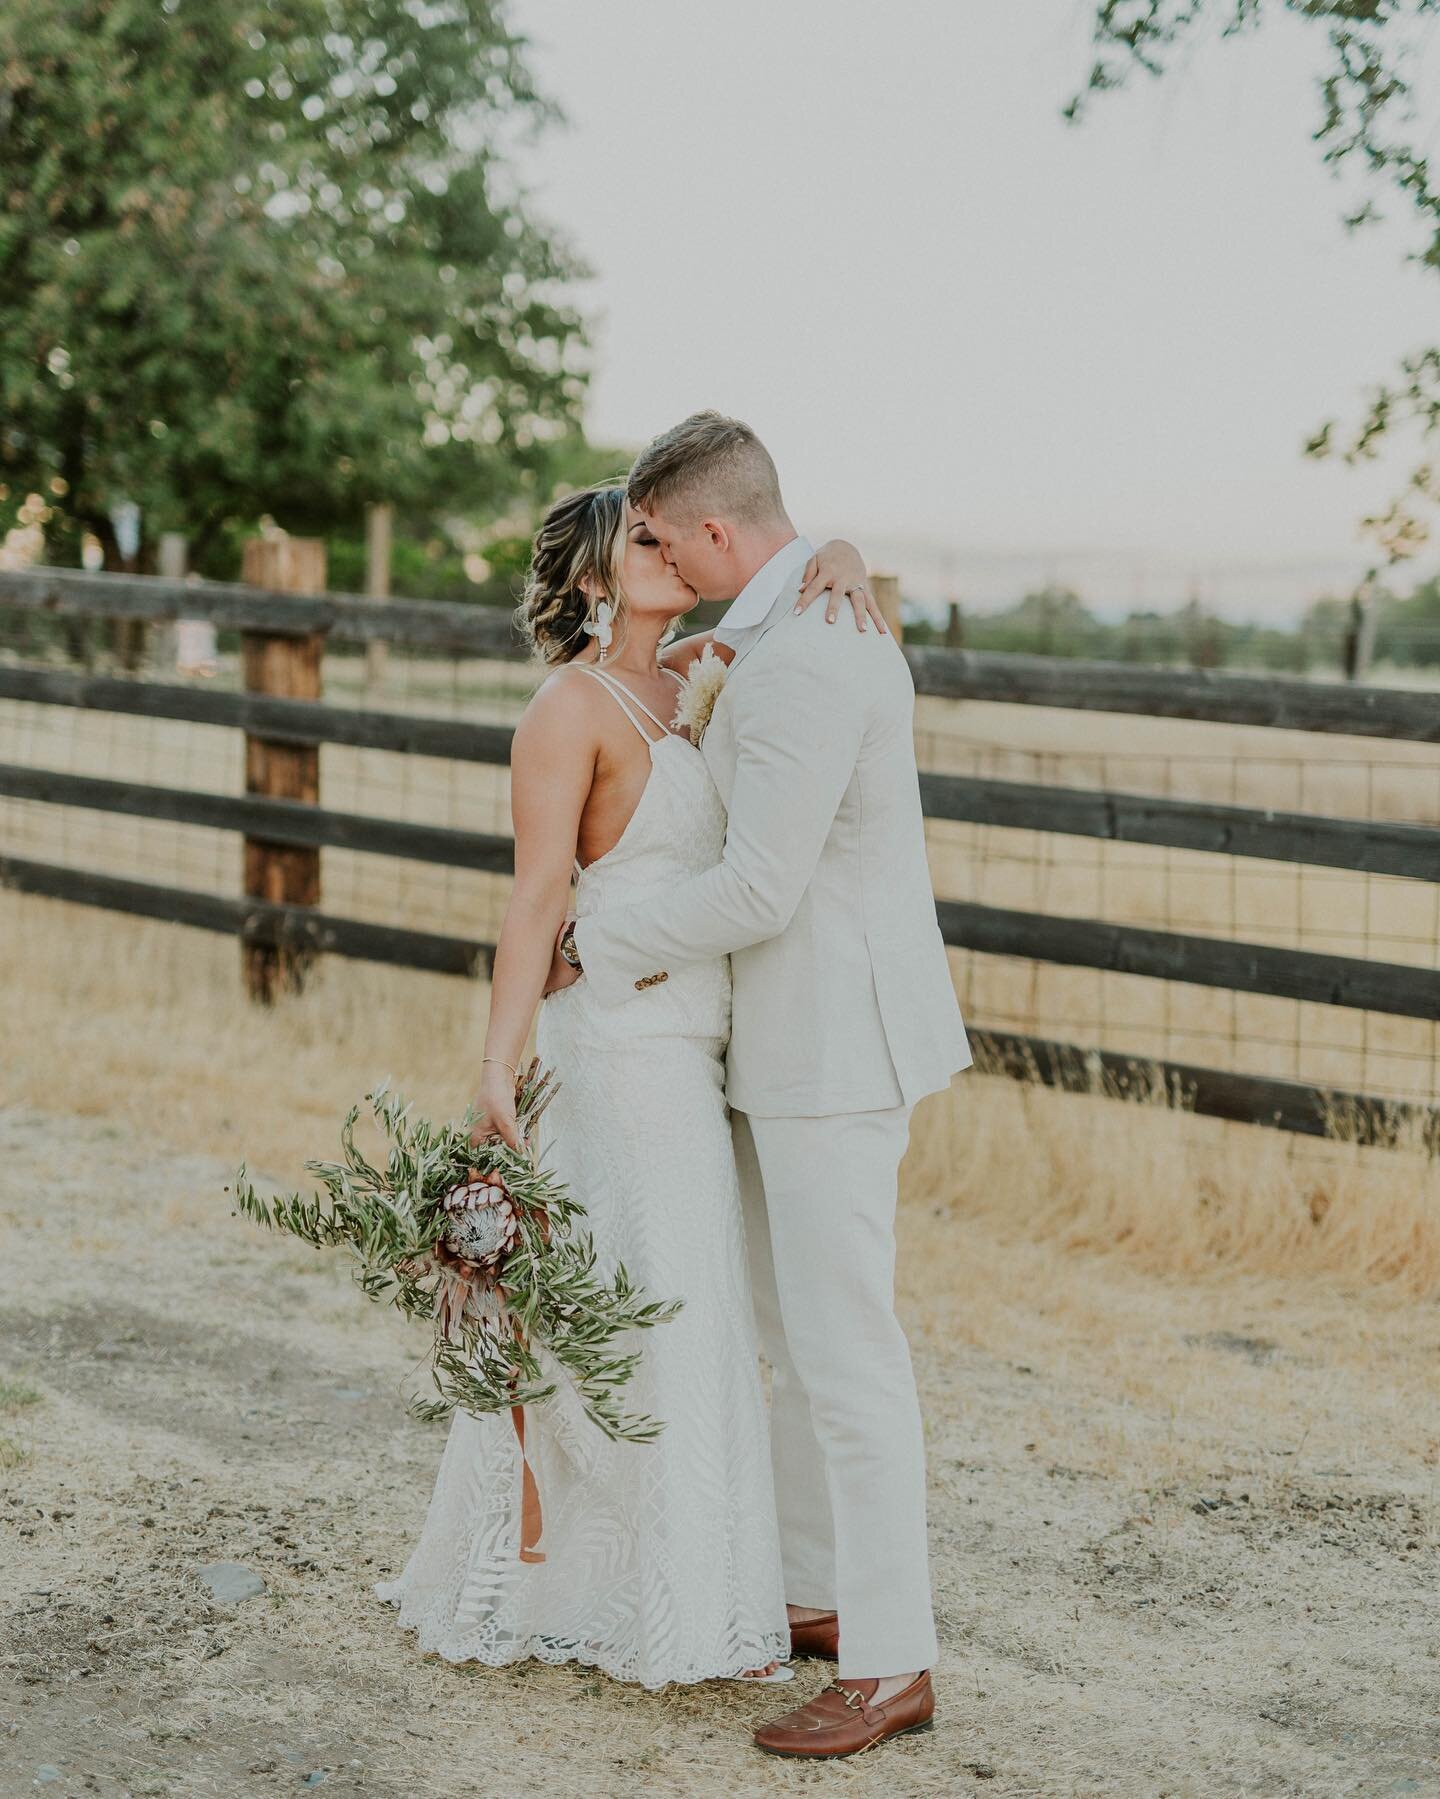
1408 631
1051 621
263 258
435 553
1369 124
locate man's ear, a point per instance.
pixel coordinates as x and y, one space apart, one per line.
718 532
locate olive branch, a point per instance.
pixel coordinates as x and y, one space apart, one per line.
548 1291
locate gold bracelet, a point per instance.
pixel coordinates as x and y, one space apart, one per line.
502 1063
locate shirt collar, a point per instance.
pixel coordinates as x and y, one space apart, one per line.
756 599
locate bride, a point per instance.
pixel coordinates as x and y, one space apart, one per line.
658 1562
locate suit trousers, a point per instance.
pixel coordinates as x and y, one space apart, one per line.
846 1440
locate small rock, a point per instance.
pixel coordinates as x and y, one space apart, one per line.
350 1393
45 1773
314 1779
230 1583
1259 1350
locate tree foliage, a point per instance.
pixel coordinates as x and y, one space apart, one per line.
1054 621
260 257
1408 631
1368 124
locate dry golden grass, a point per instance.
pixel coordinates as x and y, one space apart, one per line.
147 1024
1167 1468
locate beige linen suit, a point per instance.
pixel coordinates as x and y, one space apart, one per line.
844 1016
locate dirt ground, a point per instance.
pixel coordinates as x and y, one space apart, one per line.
1184 1528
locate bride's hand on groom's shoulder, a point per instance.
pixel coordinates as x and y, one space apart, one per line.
838 569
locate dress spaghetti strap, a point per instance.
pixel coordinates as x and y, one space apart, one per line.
626 700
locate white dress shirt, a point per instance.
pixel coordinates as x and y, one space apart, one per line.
758 598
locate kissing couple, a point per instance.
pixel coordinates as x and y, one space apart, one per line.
749 1001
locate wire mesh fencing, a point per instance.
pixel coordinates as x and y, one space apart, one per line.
1242 899
1282 903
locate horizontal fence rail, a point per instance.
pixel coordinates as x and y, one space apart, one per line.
1209 1092
1371 847
274 820
254 921
282 720
1368 846
1397 988
231 606
1279 702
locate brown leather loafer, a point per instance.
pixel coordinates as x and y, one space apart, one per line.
819 1637
843 1719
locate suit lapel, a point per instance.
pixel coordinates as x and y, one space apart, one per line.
718 744
782 608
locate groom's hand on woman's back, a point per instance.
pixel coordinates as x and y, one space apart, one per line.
562 973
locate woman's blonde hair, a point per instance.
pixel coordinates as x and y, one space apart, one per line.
581 539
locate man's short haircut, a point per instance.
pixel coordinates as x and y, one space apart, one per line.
708 467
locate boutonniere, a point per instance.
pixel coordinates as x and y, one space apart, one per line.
699 690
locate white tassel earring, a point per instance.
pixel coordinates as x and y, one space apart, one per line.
601 627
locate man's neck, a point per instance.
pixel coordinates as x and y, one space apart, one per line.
756 551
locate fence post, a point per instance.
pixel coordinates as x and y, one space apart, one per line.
955 627
1359 644
289 666
128 635
379 520
886 589
190 642
172 561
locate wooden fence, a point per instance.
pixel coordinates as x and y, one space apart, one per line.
291 931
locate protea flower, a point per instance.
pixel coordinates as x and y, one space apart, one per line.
483 1220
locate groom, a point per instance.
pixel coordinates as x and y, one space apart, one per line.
844 1017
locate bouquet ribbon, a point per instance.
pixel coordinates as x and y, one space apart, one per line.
456 1288
531 1521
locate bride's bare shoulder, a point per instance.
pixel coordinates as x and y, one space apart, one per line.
566 707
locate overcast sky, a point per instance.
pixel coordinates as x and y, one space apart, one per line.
993 347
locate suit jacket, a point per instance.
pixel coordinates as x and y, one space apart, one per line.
843 999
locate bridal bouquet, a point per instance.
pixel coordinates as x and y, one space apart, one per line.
485 1243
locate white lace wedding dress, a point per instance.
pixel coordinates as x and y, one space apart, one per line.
662 1560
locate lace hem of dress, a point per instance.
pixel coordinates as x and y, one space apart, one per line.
434 1640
